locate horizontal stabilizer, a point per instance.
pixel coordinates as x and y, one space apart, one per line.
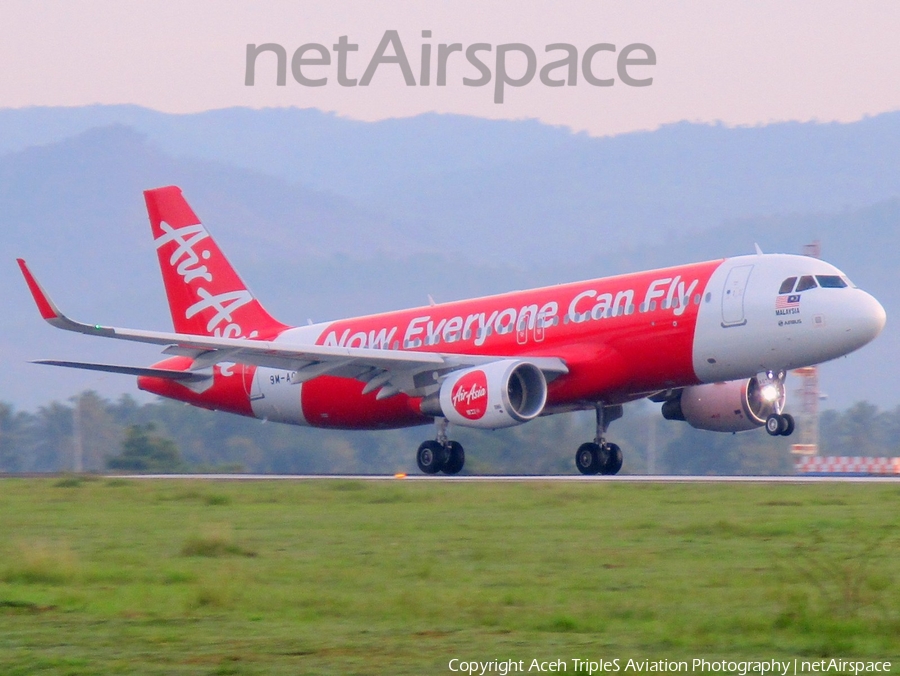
168 374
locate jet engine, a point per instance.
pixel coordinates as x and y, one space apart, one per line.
733 406
499 394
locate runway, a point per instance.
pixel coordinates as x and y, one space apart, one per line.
574 478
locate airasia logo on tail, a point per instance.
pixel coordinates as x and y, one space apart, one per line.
187 263
469 395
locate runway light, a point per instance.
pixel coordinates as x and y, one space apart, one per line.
400 475
769 393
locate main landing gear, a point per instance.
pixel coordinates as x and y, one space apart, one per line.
600 456
441 454
780 425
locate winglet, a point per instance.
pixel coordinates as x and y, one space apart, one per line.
46 307
51 313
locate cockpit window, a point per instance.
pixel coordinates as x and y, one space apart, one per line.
831 281
787 285
806 282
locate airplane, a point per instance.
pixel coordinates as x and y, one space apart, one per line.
711 342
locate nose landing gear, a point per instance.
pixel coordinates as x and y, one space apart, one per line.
601 456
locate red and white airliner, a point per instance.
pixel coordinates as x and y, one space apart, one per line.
710 341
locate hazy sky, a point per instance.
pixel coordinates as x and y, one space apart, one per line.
737 62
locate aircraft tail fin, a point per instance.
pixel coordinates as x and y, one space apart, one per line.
206 296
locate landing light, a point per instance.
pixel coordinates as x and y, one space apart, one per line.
769 393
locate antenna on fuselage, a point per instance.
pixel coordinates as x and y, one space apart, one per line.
759 251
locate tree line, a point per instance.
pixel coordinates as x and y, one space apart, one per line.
92 434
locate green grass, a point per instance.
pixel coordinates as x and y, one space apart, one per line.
349 577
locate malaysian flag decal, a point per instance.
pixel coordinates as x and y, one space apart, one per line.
786 302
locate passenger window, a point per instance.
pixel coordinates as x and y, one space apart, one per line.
830 281
787 285
806 282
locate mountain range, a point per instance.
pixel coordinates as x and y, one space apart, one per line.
328 217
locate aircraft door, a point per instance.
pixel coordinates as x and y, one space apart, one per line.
276 396
255 388
733 296
526 323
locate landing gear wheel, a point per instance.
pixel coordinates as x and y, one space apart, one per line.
788 425
431 457
613 461
456 458
590 458
780 425
774 425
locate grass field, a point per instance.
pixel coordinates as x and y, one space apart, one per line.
169 577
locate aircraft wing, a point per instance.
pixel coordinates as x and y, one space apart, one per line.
389 371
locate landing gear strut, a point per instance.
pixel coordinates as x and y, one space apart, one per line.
601 456
441 454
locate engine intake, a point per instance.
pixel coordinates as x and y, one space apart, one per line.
499 394
732 406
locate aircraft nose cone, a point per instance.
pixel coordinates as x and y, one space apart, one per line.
871 317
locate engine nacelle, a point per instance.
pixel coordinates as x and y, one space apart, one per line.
499 394
733 406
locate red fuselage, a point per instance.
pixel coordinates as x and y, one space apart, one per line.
620 337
